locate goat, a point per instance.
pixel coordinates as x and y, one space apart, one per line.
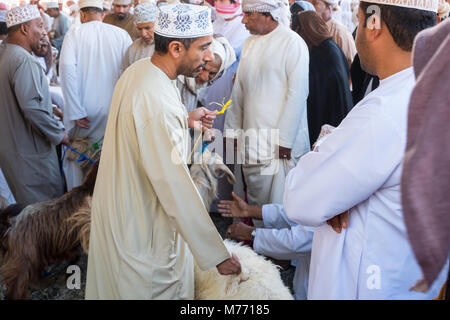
39 236
259 279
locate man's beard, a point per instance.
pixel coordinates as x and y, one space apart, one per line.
121 16
186 71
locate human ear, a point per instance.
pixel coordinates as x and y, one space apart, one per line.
176 49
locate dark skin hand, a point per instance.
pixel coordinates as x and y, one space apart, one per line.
240 231
284 153
201 118
238 208
229 266
339 222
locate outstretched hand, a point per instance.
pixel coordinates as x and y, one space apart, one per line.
236 208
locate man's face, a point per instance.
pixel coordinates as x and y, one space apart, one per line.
36 36
255 22
363 47
208 73
121 10
53 12
196 57
146 31
42 50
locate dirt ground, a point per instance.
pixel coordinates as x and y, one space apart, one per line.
57 275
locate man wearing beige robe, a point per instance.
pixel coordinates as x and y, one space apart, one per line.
148 220
122 18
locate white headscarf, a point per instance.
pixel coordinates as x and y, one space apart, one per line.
222 47
278 9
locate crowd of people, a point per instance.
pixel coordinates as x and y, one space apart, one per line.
331 118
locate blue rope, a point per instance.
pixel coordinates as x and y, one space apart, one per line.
82 155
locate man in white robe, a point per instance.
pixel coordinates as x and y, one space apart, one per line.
142 47
269 98
149 222
357 167
89 69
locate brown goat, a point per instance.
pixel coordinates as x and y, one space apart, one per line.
39 236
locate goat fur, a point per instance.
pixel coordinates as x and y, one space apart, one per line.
39 236
259 280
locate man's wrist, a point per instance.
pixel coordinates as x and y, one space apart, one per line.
254 212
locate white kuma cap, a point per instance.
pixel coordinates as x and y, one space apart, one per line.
183 21
427 5
22 14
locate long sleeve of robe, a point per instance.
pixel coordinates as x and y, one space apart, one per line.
283 239
148 220
358 167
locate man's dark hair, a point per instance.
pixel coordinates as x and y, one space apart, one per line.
92 10
16 27
162 43
403 23
3 28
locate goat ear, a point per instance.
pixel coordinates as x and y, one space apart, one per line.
221 169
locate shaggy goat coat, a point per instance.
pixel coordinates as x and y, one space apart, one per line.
259 280
42 234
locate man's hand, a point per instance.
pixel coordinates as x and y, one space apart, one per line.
236 208
284 153
229 266
201 118
240 231
83 123
58 112
339 222
65 139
